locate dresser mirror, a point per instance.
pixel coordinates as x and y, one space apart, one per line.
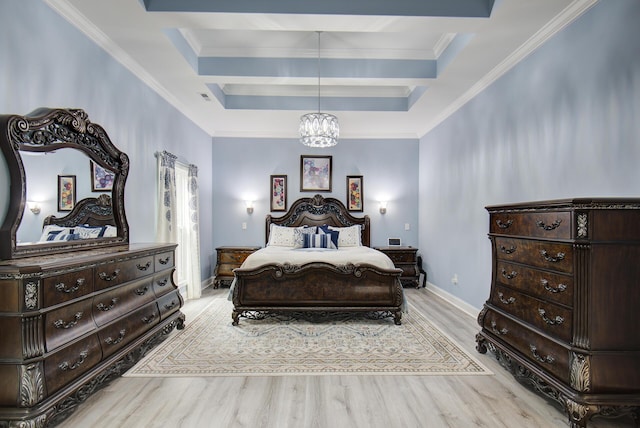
67 184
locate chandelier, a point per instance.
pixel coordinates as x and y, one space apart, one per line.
319 129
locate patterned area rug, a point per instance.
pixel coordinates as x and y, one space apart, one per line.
210 346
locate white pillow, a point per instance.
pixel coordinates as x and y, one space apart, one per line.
110 231
281 236
298 235
51 228
349 236
88 232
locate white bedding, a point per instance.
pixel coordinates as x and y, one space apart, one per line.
299 256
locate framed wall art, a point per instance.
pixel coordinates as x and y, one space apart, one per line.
315 173
278 192
355 195
66 192
101 178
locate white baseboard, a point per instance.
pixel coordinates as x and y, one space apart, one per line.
455 301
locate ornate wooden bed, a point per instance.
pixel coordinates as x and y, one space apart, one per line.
317 289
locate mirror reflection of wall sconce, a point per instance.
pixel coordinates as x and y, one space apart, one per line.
383 207
34 207
249 205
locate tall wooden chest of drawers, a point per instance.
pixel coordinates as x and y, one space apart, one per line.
564 310
71 322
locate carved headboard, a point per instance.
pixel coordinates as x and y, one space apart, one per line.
317 211
92 211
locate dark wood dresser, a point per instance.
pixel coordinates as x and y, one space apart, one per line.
71 322
229 258
564 309
405 258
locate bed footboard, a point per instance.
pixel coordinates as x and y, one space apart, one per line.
317 287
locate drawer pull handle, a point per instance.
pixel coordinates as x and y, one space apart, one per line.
511 275
551 321
110 341
165 260
141 291
504 225
508 301
494 328
63 289
64 366
143 267
552 259
149 319
62 324
104 308
548 359
559 289
162 282
509 250
171 306
106 277
542 225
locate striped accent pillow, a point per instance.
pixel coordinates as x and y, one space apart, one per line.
316 240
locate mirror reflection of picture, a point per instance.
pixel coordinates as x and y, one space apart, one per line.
101 178
66 192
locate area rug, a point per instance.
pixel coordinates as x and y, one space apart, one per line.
210 346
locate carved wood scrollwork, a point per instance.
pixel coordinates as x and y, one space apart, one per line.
31 295
580 372
31 384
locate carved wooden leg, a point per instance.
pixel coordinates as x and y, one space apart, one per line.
397 317
481 346
236 317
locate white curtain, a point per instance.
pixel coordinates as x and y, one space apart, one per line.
194 287
167 223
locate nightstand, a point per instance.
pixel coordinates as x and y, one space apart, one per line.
229 258
405 258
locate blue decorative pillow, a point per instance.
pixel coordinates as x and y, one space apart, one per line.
332 234
317 240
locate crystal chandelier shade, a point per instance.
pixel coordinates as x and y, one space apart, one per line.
319 129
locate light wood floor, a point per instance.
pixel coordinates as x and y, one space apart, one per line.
330 401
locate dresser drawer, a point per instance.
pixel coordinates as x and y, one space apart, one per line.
162 283
553 225
553 319
115 303
69 286
169 303
164 261
545 353
117 335
548 286
110 274
547 255
65 324
69 363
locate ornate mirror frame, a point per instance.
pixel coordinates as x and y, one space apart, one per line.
47 130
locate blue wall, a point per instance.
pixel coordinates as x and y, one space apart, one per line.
45 61
242 168
564 122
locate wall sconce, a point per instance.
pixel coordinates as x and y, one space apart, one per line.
249 205
383 207
34 207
